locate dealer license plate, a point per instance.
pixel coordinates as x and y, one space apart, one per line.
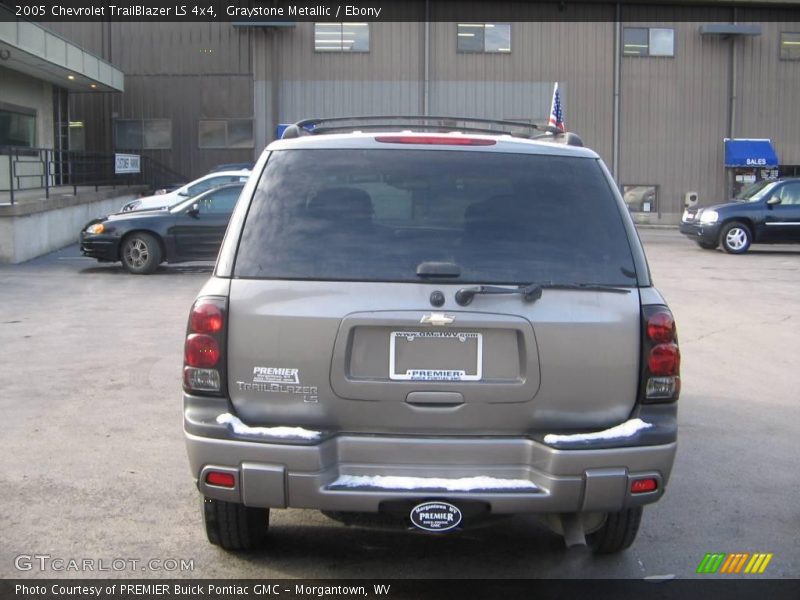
435 356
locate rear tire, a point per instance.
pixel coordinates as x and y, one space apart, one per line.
707 245
735 237
140 253
617 533
235 526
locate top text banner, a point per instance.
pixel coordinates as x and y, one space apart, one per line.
276 13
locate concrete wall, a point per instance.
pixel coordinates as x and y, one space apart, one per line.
26 231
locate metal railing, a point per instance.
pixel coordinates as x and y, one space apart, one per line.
24 169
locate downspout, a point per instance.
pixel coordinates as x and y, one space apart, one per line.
617 72
275 84
728 173
427 62
733 83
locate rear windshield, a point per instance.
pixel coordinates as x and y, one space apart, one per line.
376 215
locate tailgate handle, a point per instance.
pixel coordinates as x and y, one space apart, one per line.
435 398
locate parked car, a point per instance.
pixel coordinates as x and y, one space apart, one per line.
437 326
248 166
190 190
191 230
767 212
170 187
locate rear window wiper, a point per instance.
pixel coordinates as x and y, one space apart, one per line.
532 292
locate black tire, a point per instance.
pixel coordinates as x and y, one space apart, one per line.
735 237
617 533
235 526
707 245
140 253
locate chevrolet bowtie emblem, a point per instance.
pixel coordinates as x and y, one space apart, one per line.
437 319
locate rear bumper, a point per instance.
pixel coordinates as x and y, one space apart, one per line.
307 475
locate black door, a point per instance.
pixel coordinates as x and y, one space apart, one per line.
198 233
782 221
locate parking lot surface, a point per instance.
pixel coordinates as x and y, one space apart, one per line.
92 463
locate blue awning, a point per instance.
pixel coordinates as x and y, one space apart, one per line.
750 153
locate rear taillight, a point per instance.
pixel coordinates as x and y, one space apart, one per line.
661 360
661 327
664 359
203 352
206 318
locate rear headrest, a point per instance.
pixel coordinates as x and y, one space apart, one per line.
342 203
496 208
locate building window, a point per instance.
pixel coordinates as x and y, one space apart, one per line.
790 46
17 126
225 133
644 41
341 37
492 38
143 134
641 198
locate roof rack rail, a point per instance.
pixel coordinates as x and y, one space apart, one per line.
441 124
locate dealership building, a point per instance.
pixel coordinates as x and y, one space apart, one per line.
656 90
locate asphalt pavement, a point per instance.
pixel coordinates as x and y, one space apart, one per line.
93 467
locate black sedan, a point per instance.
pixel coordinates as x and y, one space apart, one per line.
767 213
192 230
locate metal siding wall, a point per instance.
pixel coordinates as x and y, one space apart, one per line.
520 84
165 48
674 110
493 99
769 88
186 100
387 79
304 99
395 54
179 71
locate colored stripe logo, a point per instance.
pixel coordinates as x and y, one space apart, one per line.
736 562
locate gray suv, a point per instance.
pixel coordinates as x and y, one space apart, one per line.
434 322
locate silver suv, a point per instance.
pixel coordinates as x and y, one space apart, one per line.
434 322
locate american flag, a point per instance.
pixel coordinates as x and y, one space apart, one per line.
556 112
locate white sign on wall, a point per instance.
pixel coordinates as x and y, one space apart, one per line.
127 163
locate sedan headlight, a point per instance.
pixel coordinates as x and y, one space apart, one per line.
96 228
709 216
